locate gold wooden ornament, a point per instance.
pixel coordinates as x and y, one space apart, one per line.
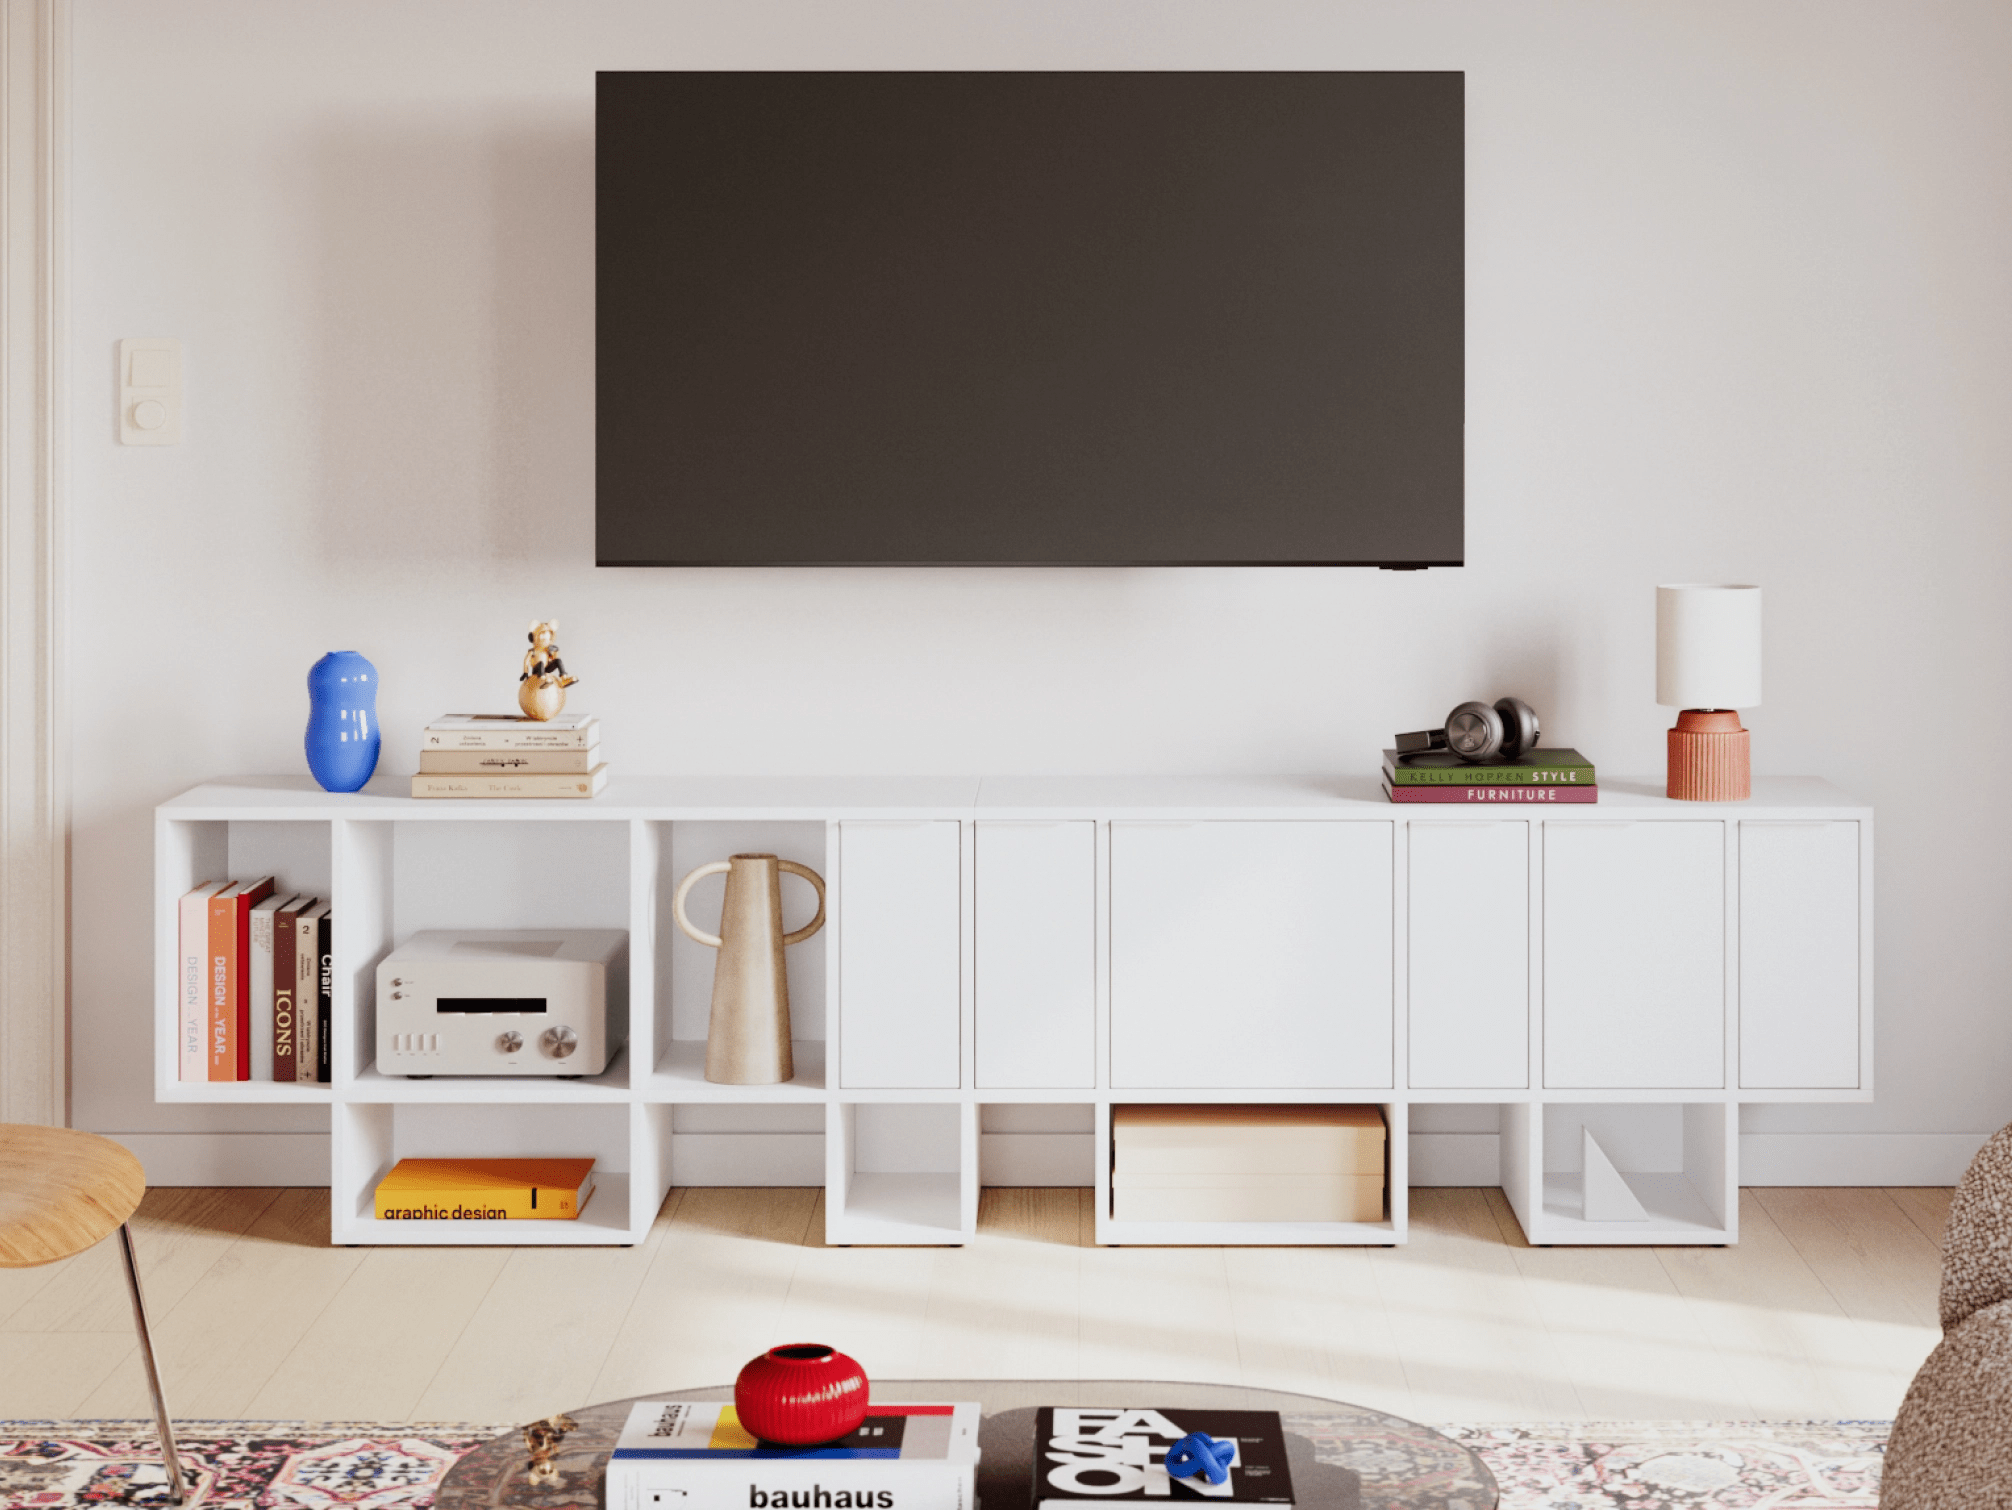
541 689
748 1034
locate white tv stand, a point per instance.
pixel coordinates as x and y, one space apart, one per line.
1038 948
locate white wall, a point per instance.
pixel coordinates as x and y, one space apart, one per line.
1738 309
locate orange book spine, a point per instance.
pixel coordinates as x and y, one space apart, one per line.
222 978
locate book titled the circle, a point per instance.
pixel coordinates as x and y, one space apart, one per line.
801 1393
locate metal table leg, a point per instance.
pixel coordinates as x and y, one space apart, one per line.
177 1487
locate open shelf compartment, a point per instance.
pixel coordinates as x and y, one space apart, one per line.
682 968
629 1146
1388 1232
901 1172
1677 1159
298 854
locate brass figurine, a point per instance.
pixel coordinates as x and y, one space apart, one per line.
544 1438
541 690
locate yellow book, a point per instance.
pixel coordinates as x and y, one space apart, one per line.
485 1190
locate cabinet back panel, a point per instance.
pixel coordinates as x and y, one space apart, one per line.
510 875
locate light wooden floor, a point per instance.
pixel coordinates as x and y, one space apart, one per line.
1824 1309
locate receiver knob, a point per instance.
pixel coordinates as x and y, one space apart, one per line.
560 1042
510 1042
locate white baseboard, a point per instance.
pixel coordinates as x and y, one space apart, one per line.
301 1159
1856 1158
256 1159
1455 1159
747 1158
1037 1159
1765 1158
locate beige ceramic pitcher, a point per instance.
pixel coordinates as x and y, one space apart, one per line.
747 1037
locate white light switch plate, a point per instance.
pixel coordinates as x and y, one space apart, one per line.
150 392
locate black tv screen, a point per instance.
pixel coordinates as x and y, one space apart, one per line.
1030 318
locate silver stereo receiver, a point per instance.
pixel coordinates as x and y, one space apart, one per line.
518 1001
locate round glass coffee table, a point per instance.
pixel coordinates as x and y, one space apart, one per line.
1342 1456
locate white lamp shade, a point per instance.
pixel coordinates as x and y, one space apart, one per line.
1708 645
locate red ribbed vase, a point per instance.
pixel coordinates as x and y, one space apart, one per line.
801 1393
1709 759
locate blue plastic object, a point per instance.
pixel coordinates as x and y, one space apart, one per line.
1198 1452
342 737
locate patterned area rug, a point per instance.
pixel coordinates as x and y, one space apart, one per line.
1616 1465
1662 1465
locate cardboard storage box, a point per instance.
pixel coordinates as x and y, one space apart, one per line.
1247 1163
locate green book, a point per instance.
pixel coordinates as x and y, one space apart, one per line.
1440 768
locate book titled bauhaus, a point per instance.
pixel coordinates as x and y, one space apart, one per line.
678 1455
1085 1456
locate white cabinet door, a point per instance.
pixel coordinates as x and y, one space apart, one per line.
1470 954
1036 961
1799 986
1634 955
1251 955
899 970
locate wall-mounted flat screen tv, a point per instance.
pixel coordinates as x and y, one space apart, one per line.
1083 319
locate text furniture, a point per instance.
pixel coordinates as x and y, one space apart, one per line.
1340 1456
1006 958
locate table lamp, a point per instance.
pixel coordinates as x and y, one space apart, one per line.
1708 664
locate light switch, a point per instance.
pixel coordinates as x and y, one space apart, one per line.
150 392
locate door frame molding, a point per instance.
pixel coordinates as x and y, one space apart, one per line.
34 524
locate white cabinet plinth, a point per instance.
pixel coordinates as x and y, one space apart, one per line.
1029 951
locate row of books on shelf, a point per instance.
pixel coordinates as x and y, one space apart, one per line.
1540 776
508 755
254 980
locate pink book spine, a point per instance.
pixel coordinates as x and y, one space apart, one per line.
1496 796
191 983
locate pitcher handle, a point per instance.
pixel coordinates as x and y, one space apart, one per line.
711 940
815 880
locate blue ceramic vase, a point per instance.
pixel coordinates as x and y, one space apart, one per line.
342 738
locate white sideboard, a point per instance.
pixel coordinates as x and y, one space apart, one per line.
1033 950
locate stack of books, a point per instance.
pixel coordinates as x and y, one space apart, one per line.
1539 776
509 755
698 1456
254 977
485 1190
1247 1163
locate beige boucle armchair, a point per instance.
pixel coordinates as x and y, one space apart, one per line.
1951 1447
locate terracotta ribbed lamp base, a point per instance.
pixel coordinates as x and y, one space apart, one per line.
1709 759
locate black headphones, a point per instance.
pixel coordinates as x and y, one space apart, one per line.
1479 732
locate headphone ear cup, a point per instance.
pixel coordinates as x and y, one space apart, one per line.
1519 727
1474 731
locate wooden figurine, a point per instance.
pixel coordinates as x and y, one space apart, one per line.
541 690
